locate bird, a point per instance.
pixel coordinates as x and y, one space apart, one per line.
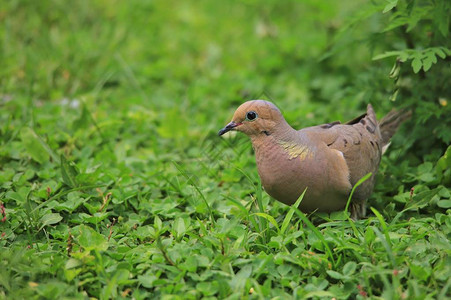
325 160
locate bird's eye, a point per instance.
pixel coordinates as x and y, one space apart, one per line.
251 115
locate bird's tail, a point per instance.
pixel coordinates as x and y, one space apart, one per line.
390 123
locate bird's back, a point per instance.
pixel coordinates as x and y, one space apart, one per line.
360 142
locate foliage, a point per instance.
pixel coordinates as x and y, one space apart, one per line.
113 183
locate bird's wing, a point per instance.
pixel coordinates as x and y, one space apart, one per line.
360 142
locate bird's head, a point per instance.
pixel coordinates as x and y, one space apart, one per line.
255 118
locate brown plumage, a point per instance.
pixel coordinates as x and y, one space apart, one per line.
326 159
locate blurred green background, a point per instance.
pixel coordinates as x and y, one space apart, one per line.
114 182
187 56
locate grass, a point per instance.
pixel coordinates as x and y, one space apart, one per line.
114 184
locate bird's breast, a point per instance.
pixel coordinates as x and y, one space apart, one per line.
282 169
286 169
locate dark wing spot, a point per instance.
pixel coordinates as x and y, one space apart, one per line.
356 120
371 130
329 125
372 144
363 121
372 123
266 132
345 142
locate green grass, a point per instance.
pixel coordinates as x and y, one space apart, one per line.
115 184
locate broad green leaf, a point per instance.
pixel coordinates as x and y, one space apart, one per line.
208 288
269 218
6 175
416 64
147 280
391 4
73 263
276 242
428 61
146 231
70 274
190 264
444 203
444 193
426 177
74 200
89 239
334 274
68 172
179 227
158 224
349 268
20 196
339 215
420 272
122 276
444 162
95 218
33 145
284 269
50 219
440 52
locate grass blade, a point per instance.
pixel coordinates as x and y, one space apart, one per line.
287 219
191 182
269 218
318 234
362 180
383 224
385 239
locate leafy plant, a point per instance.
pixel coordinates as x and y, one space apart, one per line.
114 184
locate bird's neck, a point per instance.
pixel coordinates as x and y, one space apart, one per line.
281 133
286 141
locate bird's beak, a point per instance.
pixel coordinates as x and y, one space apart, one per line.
228 127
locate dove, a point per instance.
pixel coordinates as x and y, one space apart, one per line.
325 160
